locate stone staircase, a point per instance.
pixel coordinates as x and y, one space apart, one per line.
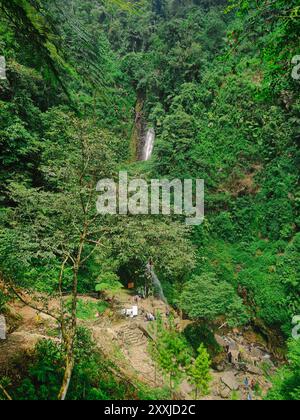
131 335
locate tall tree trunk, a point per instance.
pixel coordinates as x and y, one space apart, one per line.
71 335
67 378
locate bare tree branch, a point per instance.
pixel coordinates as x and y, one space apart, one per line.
5 393
32 306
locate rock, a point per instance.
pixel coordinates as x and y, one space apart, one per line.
254 370
255 352
230 381
225 393
241 339
268 362
220 341
186 388
235 356
2 328
233 345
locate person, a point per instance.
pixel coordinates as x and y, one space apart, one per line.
150 317
249 398
246 383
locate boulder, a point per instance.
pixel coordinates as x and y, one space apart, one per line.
255 352
233 345
230 381
186 388
225 393
235 356
220 340
254 370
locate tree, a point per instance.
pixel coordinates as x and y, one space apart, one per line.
170 351
54 241
94 376
41 25
159 8
205 298
286 382
59 226
29 17
280 42
199 373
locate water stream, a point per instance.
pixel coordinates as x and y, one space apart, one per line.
156 282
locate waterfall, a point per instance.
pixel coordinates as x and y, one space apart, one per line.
156 282
3 329
148 146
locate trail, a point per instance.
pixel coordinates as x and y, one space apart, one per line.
125 342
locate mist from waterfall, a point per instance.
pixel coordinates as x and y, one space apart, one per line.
156 282
148 144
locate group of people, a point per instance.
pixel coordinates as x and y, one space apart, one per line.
149 317
235 357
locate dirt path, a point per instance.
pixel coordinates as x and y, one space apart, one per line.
123 341
25 328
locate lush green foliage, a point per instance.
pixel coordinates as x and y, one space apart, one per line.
199 373
199 333
207 299
3 301
170 351
286 383
89 310
214 79
93 377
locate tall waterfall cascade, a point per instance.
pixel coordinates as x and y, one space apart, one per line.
148 146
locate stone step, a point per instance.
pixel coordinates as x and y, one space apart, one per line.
131 334
134 342
132 337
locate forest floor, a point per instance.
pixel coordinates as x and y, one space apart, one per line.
125 341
